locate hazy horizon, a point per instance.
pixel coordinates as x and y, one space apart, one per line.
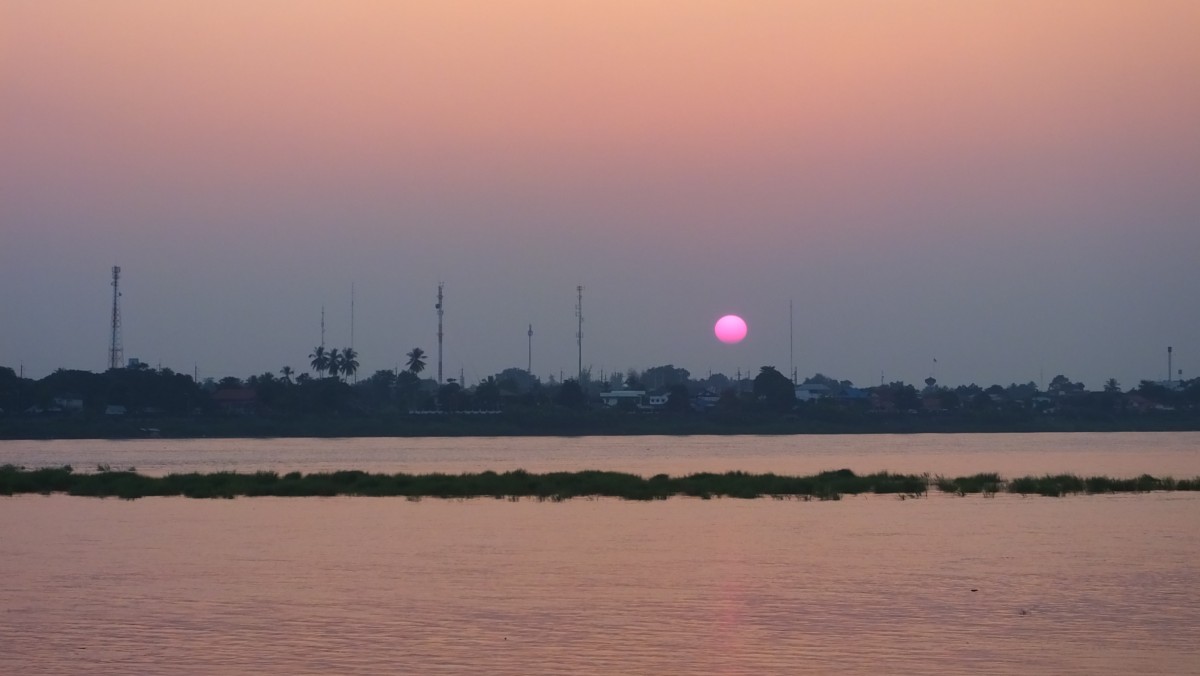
1009 188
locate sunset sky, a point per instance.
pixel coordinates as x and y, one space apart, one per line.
1009 187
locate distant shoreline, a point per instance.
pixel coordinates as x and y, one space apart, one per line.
603 423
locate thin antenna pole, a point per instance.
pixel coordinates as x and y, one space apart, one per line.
352 325
440 310
529 368
322 327
1169 365
116 353
792 340
579 331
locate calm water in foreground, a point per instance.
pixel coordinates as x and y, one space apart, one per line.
356 585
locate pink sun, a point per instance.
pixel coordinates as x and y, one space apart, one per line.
730 329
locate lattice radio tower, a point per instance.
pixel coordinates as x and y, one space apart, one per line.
579 332
440 311
116 353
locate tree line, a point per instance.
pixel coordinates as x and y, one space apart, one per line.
333 390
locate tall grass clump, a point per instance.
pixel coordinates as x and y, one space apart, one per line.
1051 485
988 483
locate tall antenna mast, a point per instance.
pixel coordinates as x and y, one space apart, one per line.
1168 365
322 327
116 353
352 315
791 340
529 369
579 331
440 310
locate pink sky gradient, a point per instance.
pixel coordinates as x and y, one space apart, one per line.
1010 187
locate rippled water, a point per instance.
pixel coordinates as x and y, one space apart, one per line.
1118 454
872 584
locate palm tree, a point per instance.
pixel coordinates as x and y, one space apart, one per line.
416 361
286 372
350 362
335 363
320 359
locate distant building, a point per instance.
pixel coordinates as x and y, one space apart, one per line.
623 398
705 400
236 401
810 391
657 400
69 403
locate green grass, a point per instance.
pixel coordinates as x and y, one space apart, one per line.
556 486
987 484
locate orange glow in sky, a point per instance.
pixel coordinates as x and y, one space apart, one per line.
663 142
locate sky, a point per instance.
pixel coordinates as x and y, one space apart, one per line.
1008 187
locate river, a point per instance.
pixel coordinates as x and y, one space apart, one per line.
868 584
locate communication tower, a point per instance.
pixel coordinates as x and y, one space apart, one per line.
579 331
792 340
440 311
116 353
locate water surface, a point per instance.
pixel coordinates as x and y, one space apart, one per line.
1117 454
870 584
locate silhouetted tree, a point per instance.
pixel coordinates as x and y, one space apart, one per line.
408 388
348 364
320 359
335 364
416 360
452 397
633 381
662 377
570 394
678 399
487 393
1061 384
286 372
516 380
774 389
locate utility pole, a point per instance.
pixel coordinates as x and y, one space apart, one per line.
440 310
116 353
792 340
529 368
579 331
1168 366
322 327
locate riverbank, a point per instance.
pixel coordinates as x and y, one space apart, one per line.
563 423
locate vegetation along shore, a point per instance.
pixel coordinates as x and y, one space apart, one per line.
556 486
138 401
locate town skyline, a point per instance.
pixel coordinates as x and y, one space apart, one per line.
1172 368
